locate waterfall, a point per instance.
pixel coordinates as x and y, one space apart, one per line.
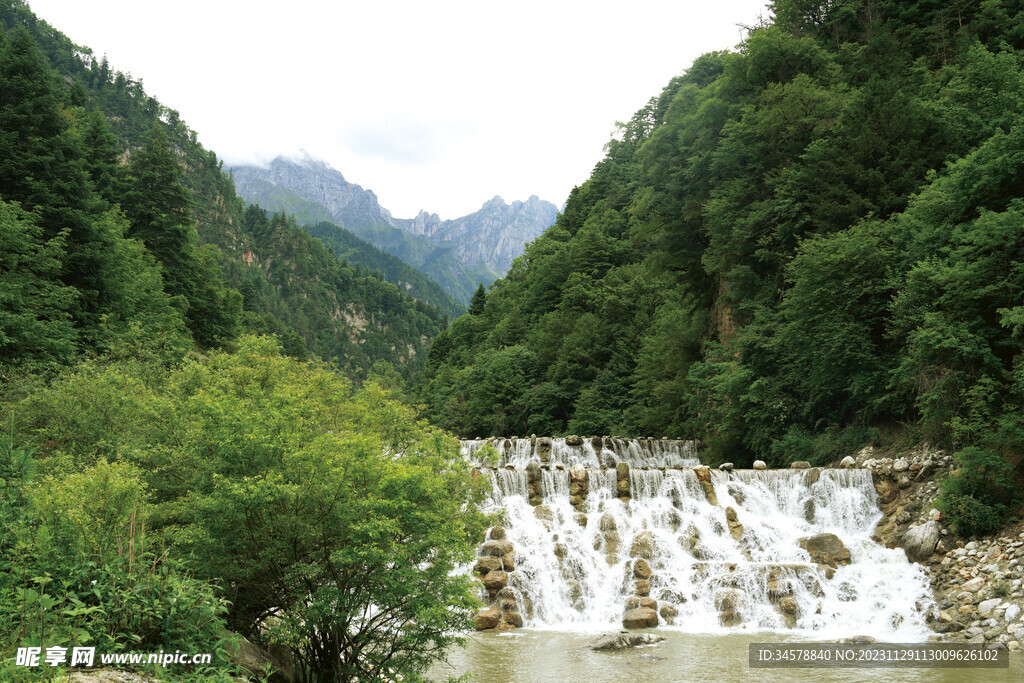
708 551
588 452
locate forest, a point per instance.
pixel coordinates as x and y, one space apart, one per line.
801 247
213 426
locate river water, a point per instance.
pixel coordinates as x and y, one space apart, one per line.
535 656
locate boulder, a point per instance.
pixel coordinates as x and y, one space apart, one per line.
703 473
514 619
622 471
643 587
641 617
488 618
887 491
622 641
726 467
760 465
250 659
642 570
495 580
643 545
486 565
573 440
496 548
848 462
826 549
668 613
496 533
800 465
919 542
578 473
508 562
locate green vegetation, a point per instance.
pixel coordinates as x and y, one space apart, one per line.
165 474
794 248
246 489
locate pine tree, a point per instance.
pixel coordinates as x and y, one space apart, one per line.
157 208
102 159
478 302
41 169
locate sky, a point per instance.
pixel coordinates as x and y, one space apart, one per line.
432 105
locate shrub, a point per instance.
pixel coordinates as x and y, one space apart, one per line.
978 498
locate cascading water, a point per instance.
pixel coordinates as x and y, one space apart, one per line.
718 551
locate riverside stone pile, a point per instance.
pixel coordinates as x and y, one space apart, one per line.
978 588
497 559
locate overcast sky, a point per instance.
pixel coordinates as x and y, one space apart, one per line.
433 105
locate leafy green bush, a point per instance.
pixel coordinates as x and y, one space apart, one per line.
978 498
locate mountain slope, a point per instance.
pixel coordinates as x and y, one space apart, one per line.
458 253
289 283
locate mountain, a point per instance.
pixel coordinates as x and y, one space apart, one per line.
496 234
459 254
187 262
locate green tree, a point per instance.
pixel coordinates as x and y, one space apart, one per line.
479 301
157 208
35 321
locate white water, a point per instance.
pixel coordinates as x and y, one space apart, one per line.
608 451
574 571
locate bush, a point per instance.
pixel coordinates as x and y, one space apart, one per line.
979 497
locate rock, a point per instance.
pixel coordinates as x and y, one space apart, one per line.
543 513
760 465
496 533
495 580
496 548
901 465
643 587
703 473
903 482
920 542
641 617
246 656
622 641
488 618
1012 612
974 585
487 564
887 491
800 465
934 515
985 607
573 440
813 475
622 471
726 467
608 522
669 613
857 640
649 603
642 570
578 473
513 619
643 546
848 462
826 549
508 562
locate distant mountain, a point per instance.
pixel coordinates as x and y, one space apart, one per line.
459 253
496 234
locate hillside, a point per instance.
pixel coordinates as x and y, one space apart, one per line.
264 274
796 248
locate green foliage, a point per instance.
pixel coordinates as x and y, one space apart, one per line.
978 497
35 320
306 501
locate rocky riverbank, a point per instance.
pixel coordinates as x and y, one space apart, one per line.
978 584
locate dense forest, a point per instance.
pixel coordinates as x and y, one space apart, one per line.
202 437
799 247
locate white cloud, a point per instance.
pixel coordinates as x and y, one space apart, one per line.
432 105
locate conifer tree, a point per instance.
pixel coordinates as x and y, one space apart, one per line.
157 208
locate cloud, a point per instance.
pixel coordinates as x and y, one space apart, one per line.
402 142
